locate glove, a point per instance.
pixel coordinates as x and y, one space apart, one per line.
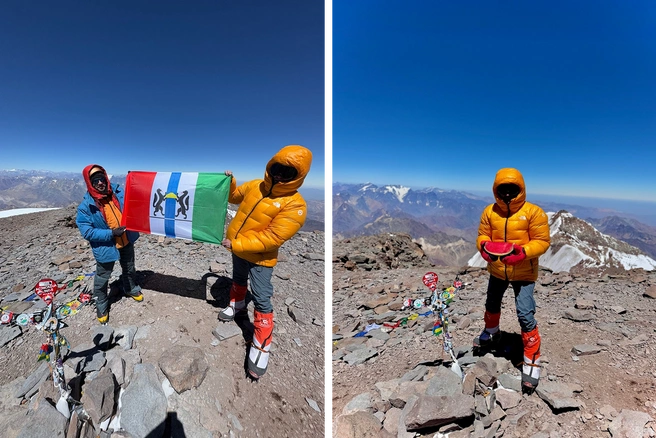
517 256
485 255
118 231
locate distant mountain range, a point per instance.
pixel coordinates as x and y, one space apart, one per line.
42 188
576 244
445 222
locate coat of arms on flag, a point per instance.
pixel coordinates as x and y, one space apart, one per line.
185 205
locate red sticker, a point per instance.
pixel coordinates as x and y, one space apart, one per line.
430 280
46 290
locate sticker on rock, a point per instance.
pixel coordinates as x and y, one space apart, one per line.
6 318
46 289
63 311
23 319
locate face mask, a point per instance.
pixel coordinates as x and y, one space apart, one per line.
282 173
508 192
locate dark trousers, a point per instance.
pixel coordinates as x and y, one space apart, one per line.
524 301
260 276
104 272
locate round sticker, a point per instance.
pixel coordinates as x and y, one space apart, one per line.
6 318
63 311
22 319
46 289
430 280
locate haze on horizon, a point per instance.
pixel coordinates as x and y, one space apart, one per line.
644 211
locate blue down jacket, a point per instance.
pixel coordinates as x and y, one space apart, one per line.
93 227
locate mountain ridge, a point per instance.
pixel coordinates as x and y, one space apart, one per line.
365 209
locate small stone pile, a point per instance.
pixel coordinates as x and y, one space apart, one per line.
382 251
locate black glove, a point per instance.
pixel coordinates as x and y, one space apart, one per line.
118 231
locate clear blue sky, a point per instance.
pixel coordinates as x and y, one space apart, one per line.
445 93
161 85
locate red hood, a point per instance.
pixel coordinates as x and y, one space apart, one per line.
95 194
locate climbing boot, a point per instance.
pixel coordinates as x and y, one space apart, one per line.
258 354
237 303
490 336
531 366
103 318
138 297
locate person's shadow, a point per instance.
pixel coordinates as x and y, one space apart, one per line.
220 293
510 347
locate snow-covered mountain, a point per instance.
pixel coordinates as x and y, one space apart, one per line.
357 205
576 243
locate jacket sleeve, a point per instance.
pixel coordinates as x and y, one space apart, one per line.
485 228
282 228
539 236
236 193
88 230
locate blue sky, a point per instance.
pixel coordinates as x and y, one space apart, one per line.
444 94
164 86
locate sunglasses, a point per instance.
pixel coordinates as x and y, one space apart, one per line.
98 180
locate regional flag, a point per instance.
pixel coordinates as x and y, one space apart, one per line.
184 205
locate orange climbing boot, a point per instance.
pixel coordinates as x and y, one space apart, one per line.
237 303
490 335
531 366
258 354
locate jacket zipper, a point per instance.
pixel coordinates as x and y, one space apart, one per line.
505 237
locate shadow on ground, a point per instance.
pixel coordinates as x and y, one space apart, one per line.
219 292
510 347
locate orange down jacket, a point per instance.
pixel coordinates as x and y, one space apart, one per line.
269 214
521 222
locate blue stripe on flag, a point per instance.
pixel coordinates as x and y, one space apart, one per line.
171 205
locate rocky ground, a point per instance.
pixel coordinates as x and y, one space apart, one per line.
176 369
598 378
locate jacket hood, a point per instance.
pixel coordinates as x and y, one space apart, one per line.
509 175
296 156
95 194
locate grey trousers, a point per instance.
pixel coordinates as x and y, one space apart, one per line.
260 276
524 301
104 272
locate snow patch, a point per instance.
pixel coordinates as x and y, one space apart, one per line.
630 261
562 261
19 211
399 191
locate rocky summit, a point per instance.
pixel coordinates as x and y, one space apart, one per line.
392 378
165 366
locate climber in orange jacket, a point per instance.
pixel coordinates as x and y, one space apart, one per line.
271 211
525 228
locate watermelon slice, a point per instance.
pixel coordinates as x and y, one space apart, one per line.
499 249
